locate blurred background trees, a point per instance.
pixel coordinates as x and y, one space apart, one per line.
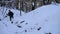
26 5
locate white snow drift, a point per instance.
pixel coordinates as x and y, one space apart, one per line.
47 17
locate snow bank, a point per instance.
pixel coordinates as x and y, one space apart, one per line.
47 17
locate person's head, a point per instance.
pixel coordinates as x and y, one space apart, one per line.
9 10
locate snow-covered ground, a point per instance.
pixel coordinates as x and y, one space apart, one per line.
43 20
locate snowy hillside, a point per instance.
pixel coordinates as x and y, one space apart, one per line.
43 20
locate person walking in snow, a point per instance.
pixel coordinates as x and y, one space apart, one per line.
10 14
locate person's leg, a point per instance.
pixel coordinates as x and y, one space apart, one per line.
10 18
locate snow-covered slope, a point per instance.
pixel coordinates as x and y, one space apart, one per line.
47 17
42 20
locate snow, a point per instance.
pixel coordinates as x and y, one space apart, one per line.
47 17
